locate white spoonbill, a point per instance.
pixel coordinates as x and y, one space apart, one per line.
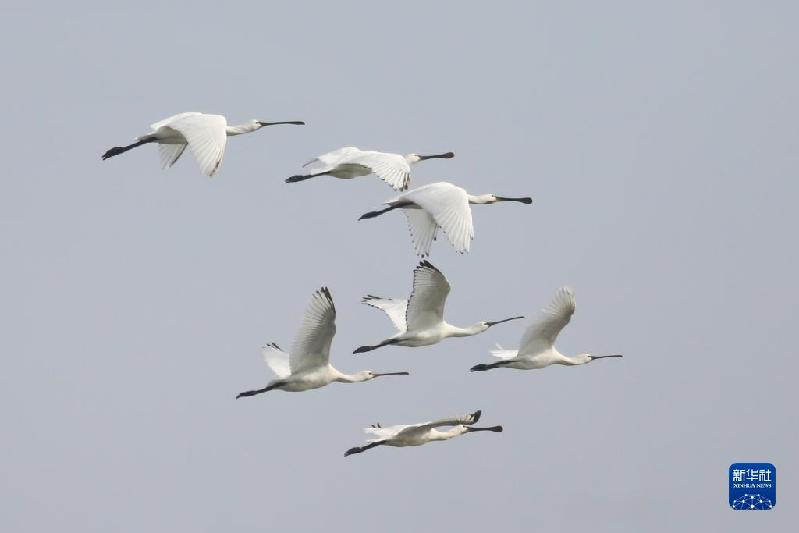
420 318
418 434
440 205
205 134
308 366
538 343
351 162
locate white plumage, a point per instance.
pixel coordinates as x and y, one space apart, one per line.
351 162
440 205
537 347
420 319
308 366
205 134
419 434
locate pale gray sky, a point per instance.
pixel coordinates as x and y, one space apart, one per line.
659 141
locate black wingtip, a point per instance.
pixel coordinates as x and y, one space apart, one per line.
476 416
424 263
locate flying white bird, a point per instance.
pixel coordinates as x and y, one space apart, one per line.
351 162
440 205
418 434
205 134
308 366
420 319
538 343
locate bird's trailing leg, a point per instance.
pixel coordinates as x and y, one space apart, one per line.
373 214
271 386
295 179
363 349
116 150
488 366
361 449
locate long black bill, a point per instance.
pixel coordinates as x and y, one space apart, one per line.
524 200
295 122
495 429
605 356
448 155
378 374
501 321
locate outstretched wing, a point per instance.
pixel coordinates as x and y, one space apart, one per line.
423 230
277 359
382 433
170 153
448 205
395 309
541 334
391 168
466 420
311 347
429 295
165 122
206 135
331 160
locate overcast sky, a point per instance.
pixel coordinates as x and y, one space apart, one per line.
658 139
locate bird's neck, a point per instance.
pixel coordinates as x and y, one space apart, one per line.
436 434
468 331
481 198
346 378
242 128
567 360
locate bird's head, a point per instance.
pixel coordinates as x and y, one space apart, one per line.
584 358
368 375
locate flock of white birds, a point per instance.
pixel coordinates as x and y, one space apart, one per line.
419 319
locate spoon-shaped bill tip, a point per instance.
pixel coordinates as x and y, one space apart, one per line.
524 199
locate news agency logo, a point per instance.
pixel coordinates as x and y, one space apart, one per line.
753 486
